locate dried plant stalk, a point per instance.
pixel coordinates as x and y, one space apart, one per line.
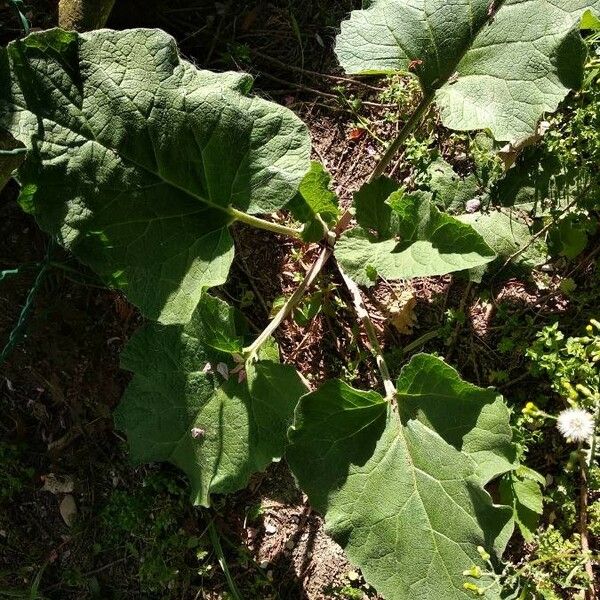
83 15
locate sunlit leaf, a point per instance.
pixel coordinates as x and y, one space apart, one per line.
402 493
138 161
414 239
490 64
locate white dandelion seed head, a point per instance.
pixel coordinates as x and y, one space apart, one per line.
576 424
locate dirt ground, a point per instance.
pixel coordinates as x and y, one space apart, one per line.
62 381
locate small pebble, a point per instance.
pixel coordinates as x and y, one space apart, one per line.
473 205
270 528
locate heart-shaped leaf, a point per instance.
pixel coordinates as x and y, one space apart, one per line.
491 64
138 161
194 406
402 492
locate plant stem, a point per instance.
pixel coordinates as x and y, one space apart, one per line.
408 128
363 315
216 543
550 559
291 303
262 224
13 152
583 529
596 420
19 329
540 233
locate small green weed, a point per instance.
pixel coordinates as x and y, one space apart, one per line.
149 524
14 475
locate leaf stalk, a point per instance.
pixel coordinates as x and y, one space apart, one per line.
403 134
292 302
216 543
262 224
363 315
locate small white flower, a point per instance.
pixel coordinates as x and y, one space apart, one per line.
576 424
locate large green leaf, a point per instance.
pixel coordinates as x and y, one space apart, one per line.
315 203
495 64
473 420
406 505
138 161
414 239
216 426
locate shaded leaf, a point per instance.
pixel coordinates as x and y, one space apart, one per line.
218 430
219 326
495 65
12 154
569 236
138 161
523 492
373 212
451 191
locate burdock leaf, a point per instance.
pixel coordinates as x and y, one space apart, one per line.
491 64
315 203
138 161
214 423
415 240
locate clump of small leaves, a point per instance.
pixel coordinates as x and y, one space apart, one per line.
148 523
